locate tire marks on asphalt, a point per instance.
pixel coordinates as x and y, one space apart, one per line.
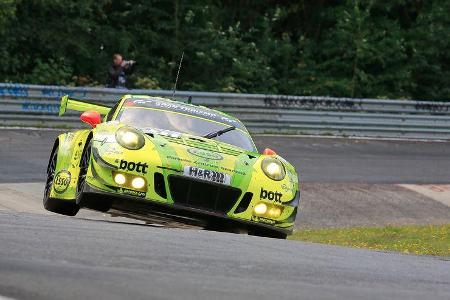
321 205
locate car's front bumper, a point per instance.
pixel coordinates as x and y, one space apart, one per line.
94 197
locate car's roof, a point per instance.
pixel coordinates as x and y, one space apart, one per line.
180 107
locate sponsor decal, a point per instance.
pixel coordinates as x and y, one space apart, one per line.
287 188
208 165
205 164
207 175
112 149
178 158
263 220
77 155
133 193
173 106
205 154
233 171
163 132
293 179
132 166
270 195
69 136
61 181
112 152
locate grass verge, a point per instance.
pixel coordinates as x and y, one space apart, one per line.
413 239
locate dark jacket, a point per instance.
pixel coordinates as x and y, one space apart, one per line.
117 75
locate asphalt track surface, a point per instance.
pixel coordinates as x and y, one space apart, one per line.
55 257
45 257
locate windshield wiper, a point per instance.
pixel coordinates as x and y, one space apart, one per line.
219 132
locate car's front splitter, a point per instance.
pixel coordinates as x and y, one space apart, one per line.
94 197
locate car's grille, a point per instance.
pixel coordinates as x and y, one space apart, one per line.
204 195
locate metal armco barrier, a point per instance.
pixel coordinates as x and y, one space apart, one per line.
37 105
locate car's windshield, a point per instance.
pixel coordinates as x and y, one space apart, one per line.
141 117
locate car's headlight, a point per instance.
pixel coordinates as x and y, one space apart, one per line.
130 138
273 168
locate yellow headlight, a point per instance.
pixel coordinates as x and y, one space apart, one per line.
130 181
271 211
119 178
260 209
274 212
130 138
138 183
273 168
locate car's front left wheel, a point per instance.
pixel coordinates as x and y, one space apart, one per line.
59 206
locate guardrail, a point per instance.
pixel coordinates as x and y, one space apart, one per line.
37 105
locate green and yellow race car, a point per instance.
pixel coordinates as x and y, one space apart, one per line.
164 160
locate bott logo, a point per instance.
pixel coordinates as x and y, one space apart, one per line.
132 166
276 196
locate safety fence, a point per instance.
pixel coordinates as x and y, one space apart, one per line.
37 105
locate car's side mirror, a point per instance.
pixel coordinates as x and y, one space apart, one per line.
269 151
91 117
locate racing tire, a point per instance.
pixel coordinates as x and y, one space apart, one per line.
268 233
82 199
84 165
59 206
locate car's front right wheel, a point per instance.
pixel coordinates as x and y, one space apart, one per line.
83 200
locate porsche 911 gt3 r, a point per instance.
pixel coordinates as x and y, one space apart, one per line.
157 157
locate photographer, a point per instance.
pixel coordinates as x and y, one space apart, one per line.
118 70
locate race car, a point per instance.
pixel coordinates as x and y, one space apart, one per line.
160 159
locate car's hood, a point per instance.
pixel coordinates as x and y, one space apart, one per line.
178 151
189 140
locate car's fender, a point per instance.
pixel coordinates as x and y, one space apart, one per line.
70 148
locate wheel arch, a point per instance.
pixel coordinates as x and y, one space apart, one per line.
70 146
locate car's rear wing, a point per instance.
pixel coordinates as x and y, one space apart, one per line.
81 105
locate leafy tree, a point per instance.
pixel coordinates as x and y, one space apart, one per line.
351 48
429 38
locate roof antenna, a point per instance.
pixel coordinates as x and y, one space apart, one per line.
178 74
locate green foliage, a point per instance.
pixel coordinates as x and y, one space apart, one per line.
147 83
7 11
51 72
352 48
